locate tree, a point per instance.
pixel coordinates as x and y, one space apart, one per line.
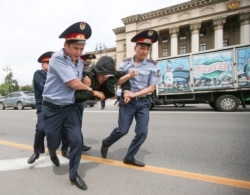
26 88
3 90
9 85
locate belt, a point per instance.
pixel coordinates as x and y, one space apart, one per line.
139 98
55 106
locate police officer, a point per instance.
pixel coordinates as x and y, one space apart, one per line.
87 60
86 63
60 111
134 103
65 150
39 78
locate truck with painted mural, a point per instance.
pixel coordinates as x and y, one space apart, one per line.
220 78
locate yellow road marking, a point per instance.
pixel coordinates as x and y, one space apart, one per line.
153 169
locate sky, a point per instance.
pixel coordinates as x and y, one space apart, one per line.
28 28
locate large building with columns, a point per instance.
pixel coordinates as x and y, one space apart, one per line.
189 27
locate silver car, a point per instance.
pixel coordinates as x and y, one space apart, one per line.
18 100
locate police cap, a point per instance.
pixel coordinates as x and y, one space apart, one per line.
88 57
147 37
45 57
79 32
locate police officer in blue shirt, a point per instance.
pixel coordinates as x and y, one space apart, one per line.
86 63
134 103
39 79
60 111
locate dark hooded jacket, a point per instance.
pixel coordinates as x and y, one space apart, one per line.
104 66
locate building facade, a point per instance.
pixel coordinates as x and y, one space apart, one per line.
189 27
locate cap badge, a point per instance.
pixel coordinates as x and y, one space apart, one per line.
147 41
80 36
82 26
150 33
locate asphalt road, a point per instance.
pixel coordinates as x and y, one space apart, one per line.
190 150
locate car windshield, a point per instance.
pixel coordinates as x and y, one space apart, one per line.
29 93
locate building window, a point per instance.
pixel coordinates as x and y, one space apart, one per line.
164 40
226 28
164 52
183 34
124 47
203 33
183 49
225 42
203 46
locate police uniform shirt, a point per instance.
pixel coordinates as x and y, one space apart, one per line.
147 74
61 70
39 79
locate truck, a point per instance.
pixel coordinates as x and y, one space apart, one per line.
218 77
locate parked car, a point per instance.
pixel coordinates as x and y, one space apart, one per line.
18 100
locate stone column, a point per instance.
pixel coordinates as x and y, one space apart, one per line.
130 45
174 40
244 28
218 33
195 37
155 50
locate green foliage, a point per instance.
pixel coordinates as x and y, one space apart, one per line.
3 89
11 85
26 88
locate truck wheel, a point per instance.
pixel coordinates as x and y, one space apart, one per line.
227 103
19 106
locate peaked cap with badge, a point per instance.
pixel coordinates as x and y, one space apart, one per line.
78 32
88 57
45 57
147 37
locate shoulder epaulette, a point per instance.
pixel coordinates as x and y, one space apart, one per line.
152 61
127 59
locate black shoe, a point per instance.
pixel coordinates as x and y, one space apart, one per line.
54 158
78 181
33 158
104 151
134 162
85 148
65 154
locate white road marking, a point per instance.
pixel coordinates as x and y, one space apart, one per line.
21 163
